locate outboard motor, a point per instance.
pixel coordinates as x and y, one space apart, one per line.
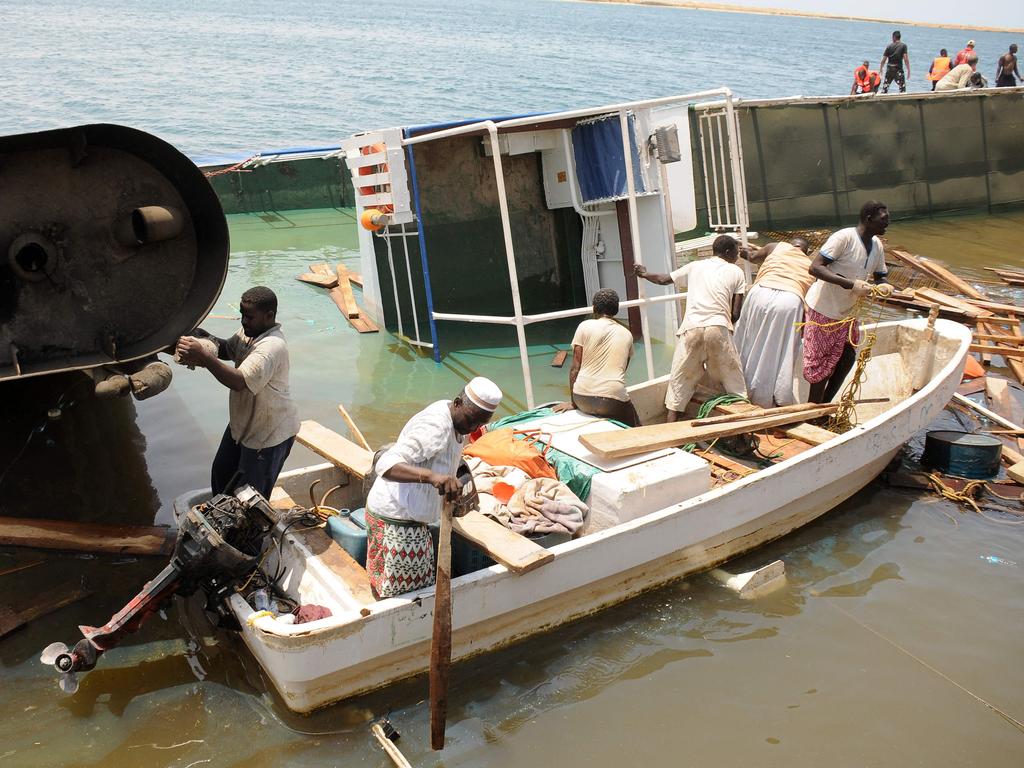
112 245
220 543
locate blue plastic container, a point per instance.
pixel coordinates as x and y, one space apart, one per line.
349 530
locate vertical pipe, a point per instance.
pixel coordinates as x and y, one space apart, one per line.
984 153
423 254
394 280
831 161
634 231
714 176
408 274
739 185
510 257
704 166
924 150
725 176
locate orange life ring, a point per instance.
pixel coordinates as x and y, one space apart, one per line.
368 170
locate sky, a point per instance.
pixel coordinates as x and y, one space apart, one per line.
983 13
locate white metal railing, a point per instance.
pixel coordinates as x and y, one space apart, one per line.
519 320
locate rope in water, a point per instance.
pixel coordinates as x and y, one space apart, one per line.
966 496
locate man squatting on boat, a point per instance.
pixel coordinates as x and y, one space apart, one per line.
715 288
601 350
412 477
262 419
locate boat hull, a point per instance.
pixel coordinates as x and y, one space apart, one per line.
493 608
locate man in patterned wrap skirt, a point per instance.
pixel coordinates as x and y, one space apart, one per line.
412 478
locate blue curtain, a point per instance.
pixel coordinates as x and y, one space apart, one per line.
600 169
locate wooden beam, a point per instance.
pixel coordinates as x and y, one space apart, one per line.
322 281
559 359
1007 352
1006 339
362 323
1006 309
42 604
87 537
807 433
348 299
754 413
937 271
513 550
629 442
338 450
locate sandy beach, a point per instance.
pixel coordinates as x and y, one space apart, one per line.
734 8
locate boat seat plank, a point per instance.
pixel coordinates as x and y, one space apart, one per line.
513 550
807 433
338 450
627 442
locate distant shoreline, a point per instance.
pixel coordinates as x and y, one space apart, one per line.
732 8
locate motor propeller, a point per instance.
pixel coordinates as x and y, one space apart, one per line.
63 660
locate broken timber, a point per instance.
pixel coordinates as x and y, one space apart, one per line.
322 281
87 537
360 322
42 604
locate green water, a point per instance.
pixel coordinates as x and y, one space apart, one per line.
891 623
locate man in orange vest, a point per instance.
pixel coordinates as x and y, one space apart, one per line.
865 80
939 68
961 57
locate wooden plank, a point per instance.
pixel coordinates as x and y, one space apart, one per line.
628 442
348 299
1004 338
1010 456
87 537
559 359
338 450
42 604
323 281
514 551
725 463
1007 352
755 412
361 323
356 279
1015 471
1001 399
938 271
806 432
992 306
938 297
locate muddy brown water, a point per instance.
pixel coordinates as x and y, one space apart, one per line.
896 640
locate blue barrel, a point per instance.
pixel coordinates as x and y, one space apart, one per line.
349 530
975 457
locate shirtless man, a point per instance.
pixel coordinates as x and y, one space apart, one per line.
1006 69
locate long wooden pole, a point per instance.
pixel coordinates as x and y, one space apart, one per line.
87 537
389 747
441 640
353 428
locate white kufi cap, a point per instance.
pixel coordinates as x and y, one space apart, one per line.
483 393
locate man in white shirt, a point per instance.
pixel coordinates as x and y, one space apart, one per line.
841 267
715 288
262 419
601 350
959 75
412 477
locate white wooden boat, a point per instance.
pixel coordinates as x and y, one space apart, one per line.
366 644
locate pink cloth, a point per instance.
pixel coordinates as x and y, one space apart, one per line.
311 612
824 346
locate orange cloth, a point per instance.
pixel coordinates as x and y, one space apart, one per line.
501 448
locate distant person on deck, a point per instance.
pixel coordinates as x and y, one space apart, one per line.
1007 75
894 58
601 350
865 80
768 331
963 54
262 419
959 76
842 267
940 66
715 288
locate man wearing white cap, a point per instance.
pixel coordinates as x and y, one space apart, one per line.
400 505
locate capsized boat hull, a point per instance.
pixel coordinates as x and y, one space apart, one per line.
317 664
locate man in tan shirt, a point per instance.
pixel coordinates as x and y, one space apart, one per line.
601 350
262 419
768 331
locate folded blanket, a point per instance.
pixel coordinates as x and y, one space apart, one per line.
544 505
